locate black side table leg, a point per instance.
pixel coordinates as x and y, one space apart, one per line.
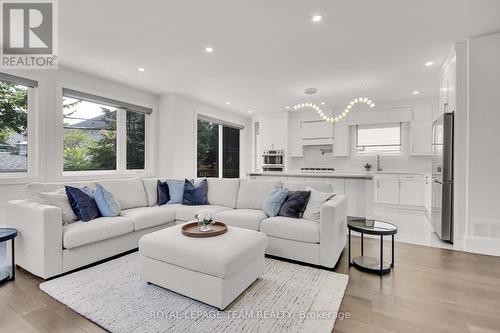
362 245
381 255
13 277
349 248
392 256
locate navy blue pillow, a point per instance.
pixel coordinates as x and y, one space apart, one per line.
295 204
162 192
83 205
195 195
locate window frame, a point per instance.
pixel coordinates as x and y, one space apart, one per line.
33 164
221 125
121 140
384 153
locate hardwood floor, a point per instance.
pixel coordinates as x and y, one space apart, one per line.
429 290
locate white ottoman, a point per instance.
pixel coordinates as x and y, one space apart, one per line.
213 270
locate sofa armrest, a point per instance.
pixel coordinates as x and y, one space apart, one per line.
333 230
38 245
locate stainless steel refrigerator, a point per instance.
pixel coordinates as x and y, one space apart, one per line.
442 176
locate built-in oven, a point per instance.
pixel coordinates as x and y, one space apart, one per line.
272 160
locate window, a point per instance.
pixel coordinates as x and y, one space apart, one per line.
92 130
378 139
15 112
218 147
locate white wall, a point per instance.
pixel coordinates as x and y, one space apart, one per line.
404 163
177 135
48 118
483 197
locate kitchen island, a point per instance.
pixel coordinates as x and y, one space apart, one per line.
357 186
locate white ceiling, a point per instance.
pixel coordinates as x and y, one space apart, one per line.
267 52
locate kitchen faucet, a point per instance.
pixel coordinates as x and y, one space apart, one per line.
378 163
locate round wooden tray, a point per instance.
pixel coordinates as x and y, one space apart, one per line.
191 230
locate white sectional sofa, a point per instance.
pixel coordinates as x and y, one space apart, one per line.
47 248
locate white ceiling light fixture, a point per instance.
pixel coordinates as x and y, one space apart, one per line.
323 103
141 69
317 18
287 107
429 63
228 103
416 92
249 111
209 49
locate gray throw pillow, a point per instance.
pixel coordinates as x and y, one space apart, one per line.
316 199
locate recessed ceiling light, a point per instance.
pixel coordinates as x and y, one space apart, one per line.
227 103
429 63
416 92
249 111
209 49
323 103
141 69
287 107
317 18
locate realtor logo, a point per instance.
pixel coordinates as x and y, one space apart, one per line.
29 34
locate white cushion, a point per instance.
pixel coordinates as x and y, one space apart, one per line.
252 192
187 213
33 189
316 199
59 199
146 217
150 188
81 233
301 186
220 256
243 218
289 228
130 193
223 191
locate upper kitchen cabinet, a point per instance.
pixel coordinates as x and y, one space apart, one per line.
421 131
341 141
273 131
447 88
317 132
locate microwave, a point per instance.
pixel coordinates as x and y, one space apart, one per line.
272 160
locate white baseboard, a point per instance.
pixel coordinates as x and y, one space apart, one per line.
482 245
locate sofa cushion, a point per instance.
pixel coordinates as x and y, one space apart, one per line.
220 256
252 192
59 198
301 186
289 228
130 193
316 200
223 191
32 189
243 218
195 195
80 233
162 193
151 190
82 203
106 202
273 201
187 213
295 204
146 217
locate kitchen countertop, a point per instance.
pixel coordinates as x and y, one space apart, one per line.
336 174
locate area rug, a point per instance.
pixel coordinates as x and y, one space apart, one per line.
287 298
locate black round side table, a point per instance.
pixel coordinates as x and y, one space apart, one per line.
372 227
5 235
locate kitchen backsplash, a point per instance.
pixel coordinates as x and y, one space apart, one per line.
313 157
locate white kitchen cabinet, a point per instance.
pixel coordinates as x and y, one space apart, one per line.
318 132
338 184
272 131
355 190
411 190
295 147
341 139
387 191
421 131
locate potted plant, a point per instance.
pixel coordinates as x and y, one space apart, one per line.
368 166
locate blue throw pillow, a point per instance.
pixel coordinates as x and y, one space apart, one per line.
273 201
195 195
106 202
83 205
176 190
162 192
295 204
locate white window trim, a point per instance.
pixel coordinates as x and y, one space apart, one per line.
121 143
34 146
403 134
220 123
